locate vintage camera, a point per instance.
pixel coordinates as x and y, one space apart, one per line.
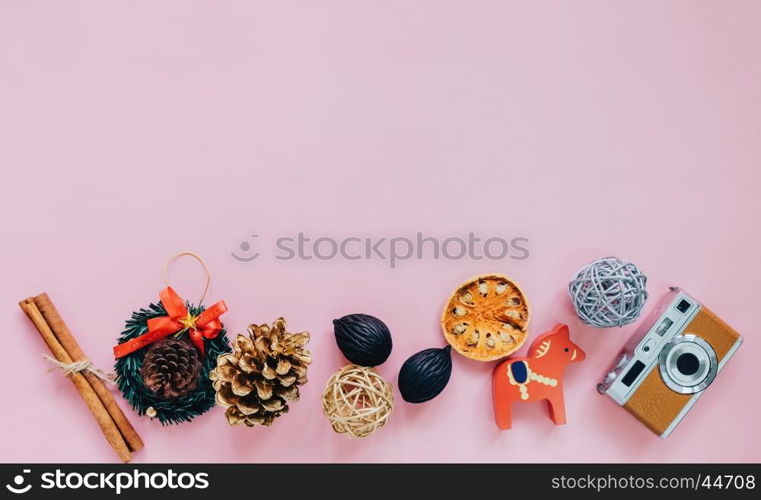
670 361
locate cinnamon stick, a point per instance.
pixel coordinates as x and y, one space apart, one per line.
92 400
69 343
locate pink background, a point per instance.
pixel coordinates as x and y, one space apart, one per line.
132 130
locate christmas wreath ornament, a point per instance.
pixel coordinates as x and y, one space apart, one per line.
166 352
262 375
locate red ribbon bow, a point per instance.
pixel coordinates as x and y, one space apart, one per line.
204 326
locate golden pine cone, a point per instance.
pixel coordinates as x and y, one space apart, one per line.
262 375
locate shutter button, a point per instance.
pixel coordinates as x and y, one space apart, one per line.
622 361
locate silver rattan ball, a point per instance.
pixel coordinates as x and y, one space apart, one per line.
608 292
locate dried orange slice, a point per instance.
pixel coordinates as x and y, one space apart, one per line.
486 318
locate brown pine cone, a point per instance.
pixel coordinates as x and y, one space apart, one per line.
171 367
261 376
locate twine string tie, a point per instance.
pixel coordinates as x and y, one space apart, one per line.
85 365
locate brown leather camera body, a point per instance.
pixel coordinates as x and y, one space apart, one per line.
654 403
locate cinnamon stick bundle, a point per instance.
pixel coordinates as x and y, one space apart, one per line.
113 423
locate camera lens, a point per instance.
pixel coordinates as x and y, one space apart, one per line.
682 306
687 364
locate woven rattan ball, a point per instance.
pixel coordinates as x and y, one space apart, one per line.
608 292
357 401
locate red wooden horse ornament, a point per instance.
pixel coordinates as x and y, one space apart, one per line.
537 377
